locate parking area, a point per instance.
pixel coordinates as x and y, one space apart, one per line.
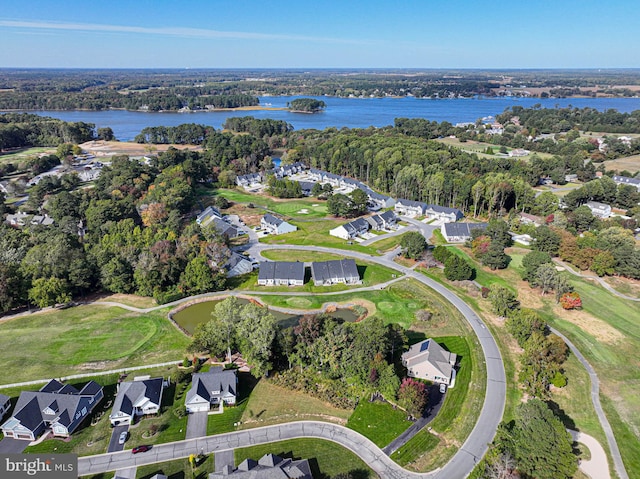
115 437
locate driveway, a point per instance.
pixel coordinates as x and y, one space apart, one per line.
115 435
197 424
224 458
9 445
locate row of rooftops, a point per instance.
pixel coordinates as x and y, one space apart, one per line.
343 270
23 219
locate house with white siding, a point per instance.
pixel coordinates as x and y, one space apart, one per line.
276 226
351 230
459 232
410 208
212 388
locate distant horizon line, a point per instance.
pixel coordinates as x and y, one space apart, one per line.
384 69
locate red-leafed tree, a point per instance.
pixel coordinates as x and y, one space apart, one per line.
412 396
571 301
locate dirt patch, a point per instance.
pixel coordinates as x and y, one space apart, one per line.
629 163
365 303
130 300
624 285
597 328
103 148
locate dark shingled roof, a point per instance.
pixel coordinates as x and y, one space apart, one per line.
272 220
327 270
269 466
283 270
132 391
462 229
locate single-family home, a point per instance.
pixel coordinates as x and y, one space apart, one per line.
443 213
410 208
237 265
5 404
625 180
428 360
211 388
276 226
208 215
268 466
281 273
524 240
225 229
351 230
459 232
344 271
56 406
518 152
571 178
529 219
601 210
140 397
21 219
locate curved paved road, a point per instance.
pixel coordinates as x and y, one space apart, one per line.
360 445
602 282
595 399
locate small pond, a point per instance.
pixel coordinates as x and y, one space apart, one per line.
198 313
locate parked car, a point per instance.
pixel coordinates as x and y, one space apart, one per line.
143 448
443 388
122 438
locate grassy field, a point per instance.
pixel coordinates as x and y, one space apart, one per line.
462 404
316 233
388 244
607 332
262 410
228 421
179 469
398 303
85 339
297 255
479 148
629 163
24 154
292 208
378 421
327 459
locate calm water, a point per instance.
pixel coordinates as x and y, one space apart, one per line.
340 112
198 313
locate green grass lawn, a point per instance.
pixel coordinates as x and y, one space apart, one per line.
397 303
178 469
316 233
25 153
298 255
291 208
378 421
454 422
327 459
387 244
85 339
228 421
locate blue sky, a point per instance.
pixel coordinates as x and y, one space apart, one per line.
319 34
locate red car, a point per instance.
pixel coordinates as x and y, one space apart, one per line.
138 449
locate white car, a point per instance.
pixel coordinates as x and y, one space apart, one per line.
443 388
123 437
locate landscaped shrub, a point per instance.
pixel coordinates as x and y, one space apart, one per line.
571 301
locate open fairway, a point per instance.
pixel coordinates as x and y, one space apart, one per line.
316 233
327 459
629 163
24 154
85 339
291 208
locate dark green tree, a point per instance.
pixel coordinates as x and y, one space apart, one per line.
532 261
413 244
457 269
503 300
546 240
495 257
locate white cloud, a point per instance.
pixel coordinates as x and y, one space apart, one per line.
172 31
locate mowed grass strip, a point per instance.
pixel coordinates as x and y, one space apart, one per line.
316 233
84 339
293 207
378 421
327 459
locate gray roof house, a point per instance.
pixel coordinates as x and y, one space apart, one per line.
208 215
237 265
377 200
281 273
325 273
5 404
276 226
351 230
251 179
428 360
216 386
56 406
382 221
625 180
136 398
268 466
225 229
21 219
443 213
600 210
410 208
459 232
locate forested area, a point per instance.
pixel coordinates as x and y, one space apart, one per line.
307 105
18 130
141 239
